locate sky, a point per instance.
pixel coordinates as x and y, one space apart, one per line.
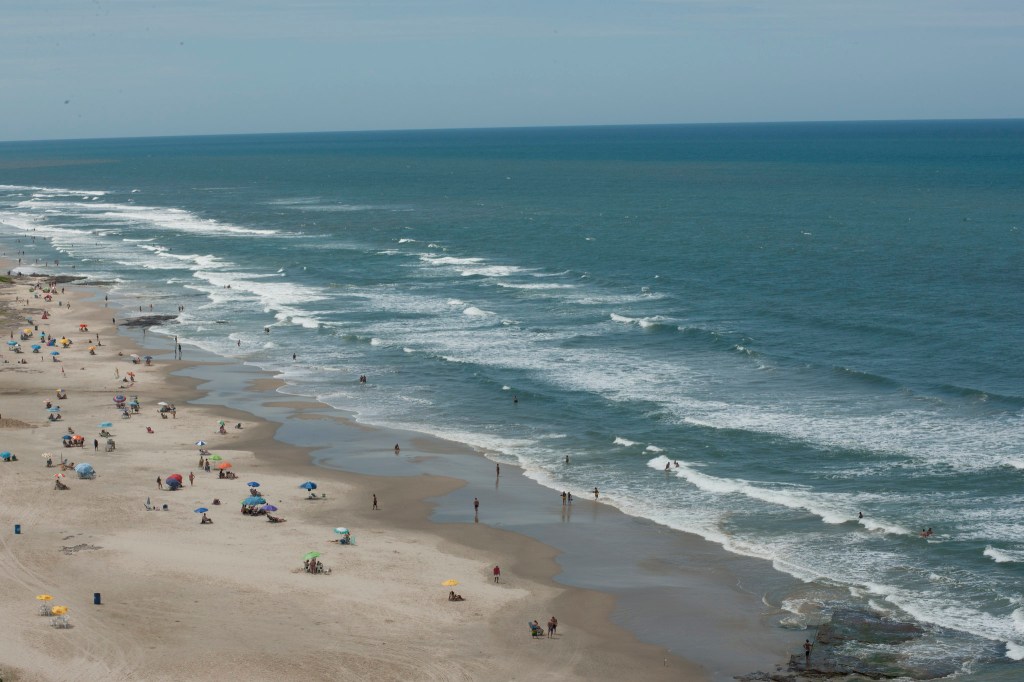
126 68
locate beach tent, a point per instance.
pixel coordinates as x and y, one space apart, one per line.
85 470
5 456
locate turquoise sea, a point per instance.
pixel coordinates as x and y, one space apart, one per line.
813 320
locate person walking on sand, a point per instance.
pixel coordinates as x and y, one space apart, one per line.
807 652
595 492
476 506
551 627
159 483
375 501
191 478
497 573
497 469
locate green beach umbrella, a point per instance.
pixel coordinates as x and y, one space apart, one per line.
311 555
215 458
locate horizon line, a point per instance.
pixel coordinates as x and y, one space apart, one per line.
524 127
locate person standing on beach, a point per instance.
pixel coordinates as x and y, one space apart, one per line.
159 483
564 498
476 506
497 573
397 449
191 478
807 652
497 469
375 500
95 444
595 492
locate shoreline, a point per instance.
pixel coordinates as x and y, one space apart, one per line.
112 523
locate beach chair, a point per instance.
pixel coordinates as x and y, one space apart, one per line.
44 610
60 622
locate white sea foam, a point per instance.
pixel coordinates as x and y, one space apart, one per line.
473 311
791 496
1014 651
653 448
406 240
1003 556
625 442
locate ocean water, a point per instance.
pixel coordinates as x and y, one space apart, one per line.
812 320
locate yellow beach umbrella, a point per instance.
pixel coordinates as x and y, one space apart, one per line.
59 610
44 597
450 583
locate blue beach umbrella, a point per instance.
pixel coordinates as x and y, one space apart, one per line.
66 437
55 352
268 508
53 409
84 470
341 531
5 456
36 346
202 510
308 485
253 500
12 343
105 425
253 484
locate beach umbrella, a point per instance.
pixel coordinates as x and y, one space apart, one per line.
84 468
253 484
5 456
55 352
47 455
78 437
450 583
147 357
200 443
105 425
173 476
308 485
220 423
341 531
66 437
58 475
253 500
224 465
311 555
12 343
118 398
55 408
215 458
173 483
59 610
202 510
268 508
44 597
92 347
36 346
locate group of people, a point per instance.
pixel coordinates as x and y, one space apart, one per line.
537 631
314 566
455 597
927 533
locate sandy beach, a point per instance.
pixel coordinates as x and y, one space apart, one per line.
184 600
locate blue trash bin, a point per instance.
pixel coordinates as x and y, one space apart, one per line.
17 529
96 598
